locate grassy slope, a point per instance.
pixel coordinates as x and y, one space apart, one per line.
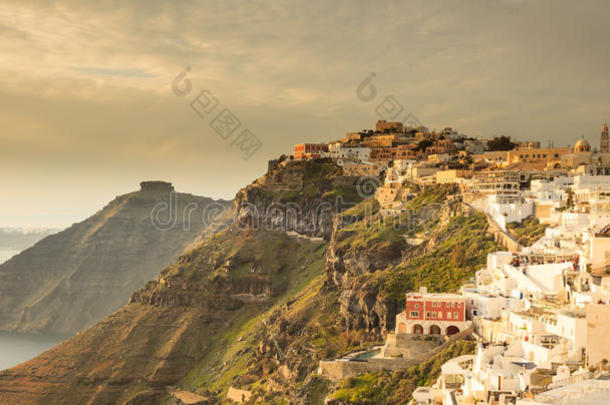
527 231
462 250
313 312
461 244
312 316
223 361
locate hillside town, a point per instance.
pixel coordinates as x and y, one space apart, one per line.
540 309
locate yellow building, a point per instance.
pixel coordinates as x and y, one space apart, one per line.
536 158
452 176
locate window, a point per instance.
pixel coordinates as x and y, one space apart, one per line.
433 315
453 304
414 314
440 315
416 306
459 305
456 315
448 315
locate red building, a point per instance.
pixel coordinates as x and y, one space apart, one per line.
309 150
433 314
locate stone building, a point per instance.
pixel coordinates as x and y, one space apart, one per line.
383 126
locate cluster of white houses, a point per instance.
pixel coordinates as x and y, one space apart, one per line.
540 313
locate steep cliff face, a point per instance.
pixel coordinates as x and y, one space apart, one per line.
191 316
185 320
352 303
255 306
74 278
300 196
373 260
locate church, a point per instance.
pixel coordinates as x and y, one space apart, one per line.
585 160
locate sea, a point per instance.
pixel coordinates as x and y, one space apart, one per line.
15 348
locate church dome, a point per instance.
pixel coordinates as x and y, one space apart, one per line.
582 145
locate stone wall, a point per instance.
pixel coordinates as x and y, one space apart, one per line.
414 349
409 345
239 396
336 370
156 186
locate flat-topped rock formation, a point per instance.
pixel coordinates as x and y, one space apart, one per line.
74 278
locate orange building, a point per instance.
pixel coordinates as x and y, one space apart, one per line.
309 150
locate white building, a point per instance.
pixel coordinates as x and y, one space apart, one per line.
337 150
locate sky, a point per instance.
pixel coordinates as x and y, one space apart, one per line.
87 107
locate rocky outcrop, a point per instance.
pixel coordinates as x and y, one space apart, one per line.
299 196
344 262
363 308
74 278
351 266
361 305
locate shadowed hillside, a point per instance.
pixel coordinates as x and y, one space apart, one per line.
74 278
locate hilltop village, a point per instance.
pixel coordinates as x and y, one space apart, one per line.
540 309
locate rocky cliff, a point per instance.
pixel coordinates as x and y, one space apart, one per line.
299 196
187 319
373 260
74 278
256 305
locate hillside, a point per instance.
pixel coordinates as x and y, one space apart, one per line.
74 278
257 305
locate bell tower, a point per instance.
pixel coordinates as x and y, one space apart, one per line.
604 141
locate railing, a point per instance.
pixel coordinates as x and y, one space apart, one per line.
573 379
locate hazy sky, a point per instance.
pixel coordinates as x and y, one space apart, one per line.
87 110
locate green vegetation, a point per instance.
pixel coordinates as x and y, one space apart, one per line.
457 245
370 206
300 322
371 231
397 387
461 249
298 267
527 231
317 177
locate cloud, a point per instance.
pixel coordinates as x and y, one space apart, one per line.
113 72
85 87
